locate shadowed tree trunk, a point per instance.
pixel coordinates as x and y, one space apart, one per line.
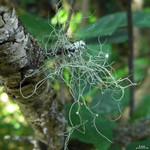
20 60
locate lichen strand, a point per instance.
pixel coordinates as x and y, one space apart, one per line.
20 58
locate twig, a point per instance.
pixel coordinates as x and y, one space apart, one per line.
69 16
131 55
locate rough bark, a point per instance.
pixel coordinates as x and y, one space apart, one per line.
131 132
20 60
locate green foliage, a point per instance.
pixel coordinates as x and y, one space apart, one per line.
36 26
104 26
88 133
12 123
109 29
140 64
142 109
114 26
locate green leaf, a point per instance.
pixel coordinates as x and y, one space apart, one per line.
36 26
104 26
113 27
103 126
95 48
92 136
107 105
119 36
141 19
140 65
142 110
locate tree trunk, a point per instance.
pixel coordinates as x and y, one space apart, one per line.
20 61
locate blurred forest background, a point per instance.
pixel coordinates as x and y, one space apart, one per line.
107 20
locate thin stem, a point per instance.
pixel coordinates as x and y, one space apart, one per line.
131 55
69 16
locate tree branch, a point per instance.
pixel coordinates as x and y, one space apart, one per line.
20 60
